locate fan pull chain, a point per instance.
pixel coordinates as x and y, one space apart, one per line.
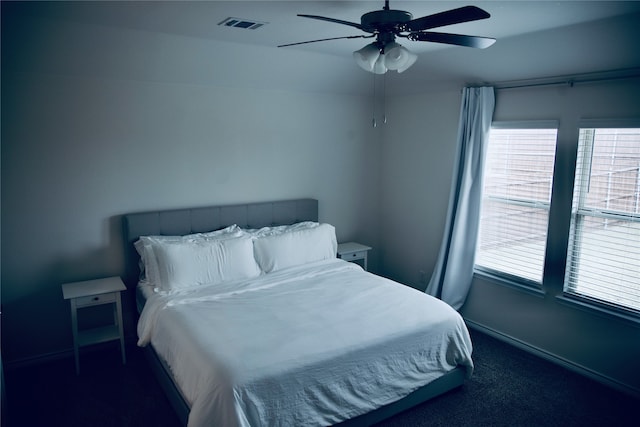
373 120
384 98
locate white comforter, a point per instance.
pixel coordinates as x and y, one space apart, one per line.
308 345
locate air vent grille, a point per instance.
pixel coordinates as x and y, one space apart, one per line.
247 24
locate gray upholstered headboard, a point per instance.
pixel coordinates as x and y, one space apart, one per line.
201 219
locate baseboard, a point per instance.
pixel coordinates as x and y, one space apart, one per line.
37 360
568 364
26 362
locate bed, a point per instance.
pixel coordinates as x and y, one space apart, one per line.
289 336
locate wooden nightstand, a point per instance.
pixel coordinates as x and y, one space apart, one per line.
352 251
88 294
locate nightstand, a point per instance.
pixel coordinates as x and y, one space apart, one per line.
91 293
352 251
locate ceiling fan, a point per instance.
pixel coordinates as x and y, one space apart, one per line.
387 24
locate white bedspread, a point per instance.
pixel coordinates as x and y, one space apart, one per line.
308 345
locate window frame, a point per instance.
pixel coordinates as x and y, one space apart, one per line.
520 282
573 298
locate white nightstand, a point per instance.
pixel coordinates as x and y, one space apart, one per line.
88 294
352 251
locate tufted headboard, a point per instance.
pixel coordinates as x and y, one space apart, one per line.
201 219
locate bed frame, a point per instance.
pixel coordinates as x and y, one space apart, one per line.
249 215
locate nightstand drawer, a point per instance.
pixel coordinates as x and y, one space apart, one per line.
354 255
96 299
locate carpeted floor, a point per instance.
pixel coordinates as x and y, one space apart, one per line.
508 388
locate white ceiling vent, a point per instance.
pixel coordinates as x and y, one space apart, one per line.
242 23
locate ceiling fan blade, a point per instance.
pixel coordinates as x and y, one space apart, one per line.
332 38
453 16
456 39
336 21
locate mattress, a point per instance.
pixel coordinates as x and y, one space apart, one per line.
313 344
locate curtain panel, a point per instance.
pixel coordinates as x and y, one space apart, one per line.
453 272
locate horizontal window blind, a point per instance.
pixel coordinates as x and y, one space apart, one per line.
514 216
603 258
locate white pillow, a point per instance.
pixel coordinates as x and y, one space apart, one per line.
201 262
295 247
145 244
280 229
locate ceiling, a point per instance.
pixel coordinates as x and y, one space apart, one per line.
200 18
599 34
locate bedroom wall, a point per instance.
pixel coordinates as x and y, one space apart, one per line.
418 154
416 177
98 122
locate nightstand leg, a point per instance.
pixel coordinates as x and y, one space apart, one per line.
74 327
118 320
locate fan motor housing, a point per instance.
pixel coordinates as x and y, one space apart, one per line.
384 20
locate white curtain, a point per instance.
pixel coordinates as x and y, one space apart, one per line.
453 272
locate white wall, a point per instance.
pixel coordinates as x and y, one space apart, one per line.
418 155
95 126
416 180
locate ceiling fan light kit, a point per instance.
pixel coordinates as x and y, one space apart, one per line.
385 25
392 57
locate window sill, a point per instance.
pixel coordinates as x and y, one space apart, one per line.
600 309
511 282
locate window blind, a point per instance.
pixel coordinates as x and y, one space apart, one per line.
514 215
603 258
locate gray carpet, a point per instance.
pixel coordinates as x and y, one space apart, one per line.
509 388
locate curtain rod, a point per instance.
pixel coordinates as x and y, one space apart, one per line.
569 80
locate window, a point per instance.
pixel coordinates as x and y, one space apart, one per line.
514 217
603 257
